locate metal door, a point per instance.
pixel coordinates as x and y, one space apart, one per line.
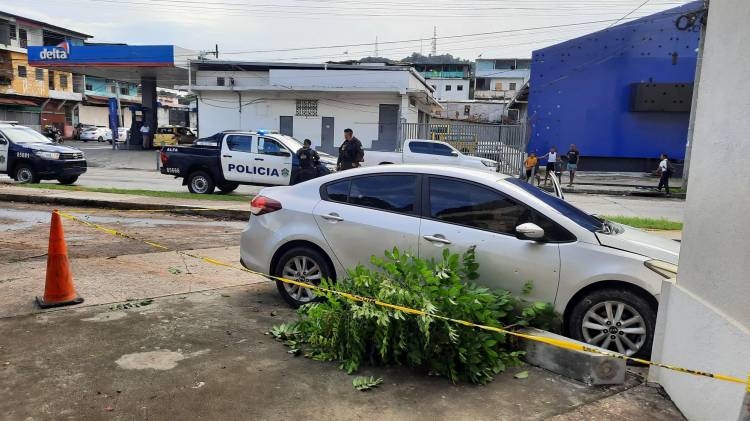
326 135
388 127
286 125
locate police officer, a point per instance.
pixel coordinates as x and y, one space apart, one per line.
308 162
350 152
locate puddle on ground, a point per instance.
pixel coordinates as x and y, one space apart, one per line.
162 359
106 317
28 218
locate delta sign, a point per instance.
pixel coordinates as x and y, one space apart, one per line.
66 54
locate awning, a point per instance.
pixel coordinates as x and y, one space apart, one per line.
18 101
103 100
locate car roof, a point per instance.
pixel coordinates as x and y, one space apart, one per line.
449 171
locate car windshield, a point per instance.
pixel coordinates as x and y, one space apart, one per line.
24 135
576 215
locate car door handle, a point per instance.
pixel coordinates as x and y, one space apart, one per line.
259 159
437 238
334 217
226 156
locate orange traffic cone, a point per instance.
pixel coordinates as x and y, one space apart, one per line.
58 289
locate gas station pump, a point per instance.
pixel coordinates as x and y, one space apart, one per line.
139 114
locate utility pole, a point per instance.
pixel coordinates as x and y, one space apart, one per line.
216 51
376 46
434 40
694 102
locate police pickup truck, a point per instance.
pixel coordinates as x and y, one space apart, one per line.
27 156
230 158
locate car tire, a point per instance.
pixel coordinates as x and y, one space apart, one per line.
228 187
314 267
67 180
26 174
100 139
631 325
200 182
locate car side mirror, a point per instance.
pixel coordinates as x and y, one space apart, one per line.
529 231
284 153
454 153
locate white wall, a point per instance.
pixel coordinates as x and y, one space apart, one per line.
704 321
442 94
478 111
219 110
99 116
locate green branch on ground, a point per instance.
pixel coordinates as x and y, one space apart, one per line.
355 333
646 223
139 192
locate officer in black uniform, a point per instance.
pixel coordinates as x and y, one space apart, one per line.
350 152
308 162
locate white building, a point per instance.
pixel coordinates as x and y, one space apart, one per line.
450 89
500 79
315 101
472 110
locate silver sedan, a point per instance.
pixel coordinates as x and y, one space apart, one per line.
603 278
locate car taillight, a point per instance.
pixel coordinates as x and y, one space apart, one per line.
262 204
163 157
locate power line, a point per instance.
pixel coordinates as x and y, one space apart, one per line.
628 14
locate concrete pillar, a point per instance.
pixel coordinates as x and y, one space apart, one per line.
704 317
148 101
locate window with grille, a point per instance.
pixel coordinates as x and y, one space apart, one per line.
12 29
307 108
219 81
124 90
512 86
23 40
113 89
63 81
21 71
51 80
40 74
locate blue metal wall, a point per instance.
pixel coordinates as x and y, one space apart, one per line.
580 89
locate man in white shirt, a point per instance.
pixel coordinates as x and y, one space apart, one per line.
664 171
146 135
552 162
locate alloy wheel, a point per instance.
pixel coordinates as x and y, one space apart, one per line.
302 269
616 326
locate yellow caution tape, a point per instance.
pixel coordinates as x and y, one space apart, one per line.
353 297
175 210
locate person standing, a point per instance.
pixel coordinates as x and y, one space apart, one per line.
146 135
350 152
574 158
530 164
665 172
551 163
308 162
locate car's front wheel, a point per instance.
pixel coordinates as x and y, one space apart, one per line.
200 182
68 180
26 174
617 319
305 265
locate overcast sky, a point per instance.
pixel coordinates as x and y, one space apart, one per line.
243 27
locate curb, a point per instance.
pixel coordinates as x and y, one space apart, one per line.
233 214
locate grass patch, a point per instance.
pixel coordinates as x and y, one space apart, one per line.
646 223
138 192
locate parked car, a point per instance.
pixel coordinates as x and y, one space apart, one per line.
122 134
28 156
231 158
602 277
419 151
173 135
78 128
98 133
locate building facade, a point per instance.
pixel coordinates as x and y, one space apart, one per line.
500 79
315 101
34 96
472 110
622 95
451 81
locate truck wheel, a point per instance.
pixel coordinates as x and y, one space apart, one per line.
25 174
199 182
228 187
67 180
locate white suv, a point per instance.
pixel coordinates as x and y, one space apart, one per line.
603 278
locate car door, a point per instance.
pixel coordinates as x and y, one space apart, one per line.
4 146
445 155
273 162
458 214
237 158
367 215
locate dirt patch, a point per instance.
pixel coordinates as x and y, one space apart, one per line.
162 359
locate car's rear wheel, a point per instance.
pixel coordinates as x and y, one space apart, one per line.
617 319
67 180
199 182
304 265
228 187
26 174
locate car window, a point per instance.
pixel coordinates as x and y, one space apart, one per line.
395 193
474 206
440 149
21 134
240 143
338 192
268 146
420 147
